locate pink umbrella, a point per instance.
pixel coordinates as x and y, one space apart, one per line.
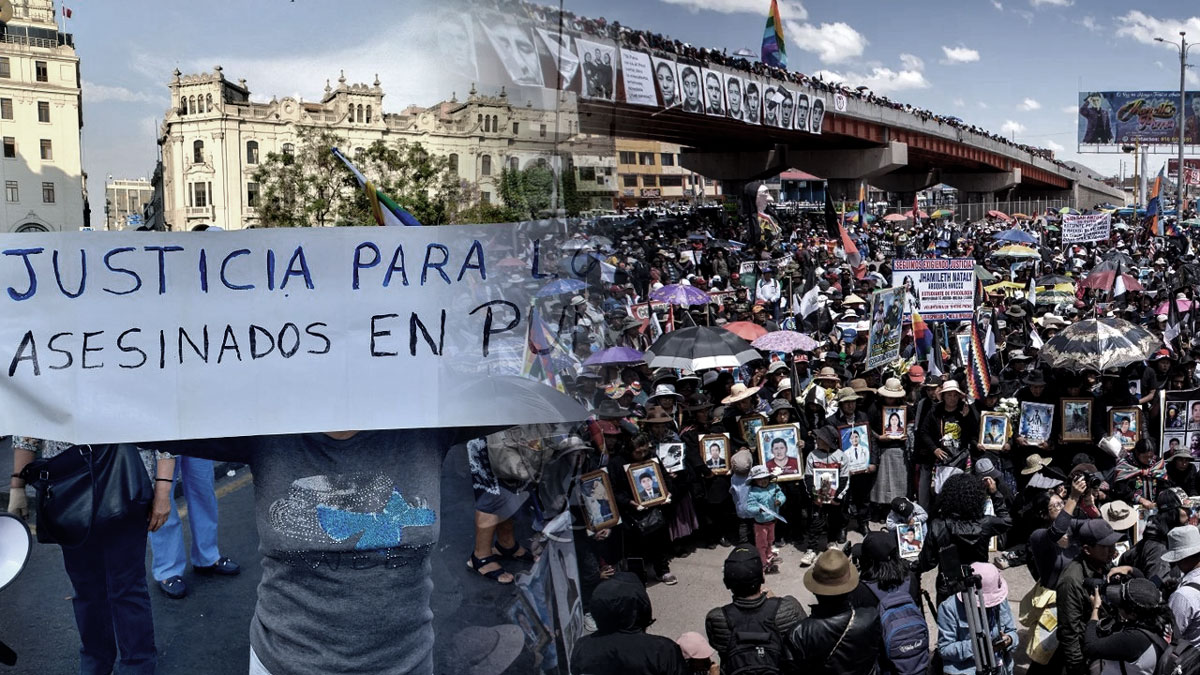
1105 281
895 217
999 214
1182 305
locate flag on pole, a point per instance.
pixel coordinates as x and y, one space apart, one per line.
386 211
831 219
989 342
922 336
979 377
774 51
1032 292
852 256
1174 324
540 348
1153 207
66 12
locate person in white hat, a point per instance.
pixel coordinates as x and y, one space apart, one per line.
947 434
1183 551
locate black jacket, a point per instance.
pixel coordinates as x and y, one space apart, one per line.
787 616
815 642
960 542
620 645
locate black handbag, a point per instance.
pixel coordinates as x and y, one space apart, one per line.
85 487
650 522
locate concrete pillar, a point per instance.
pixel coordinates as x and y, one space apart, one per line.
736 165
904 182
993 182
853 164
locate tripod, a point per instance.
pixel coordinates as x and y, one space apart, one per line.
970 585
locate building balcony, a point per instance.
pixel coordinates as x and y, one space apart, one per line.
198 212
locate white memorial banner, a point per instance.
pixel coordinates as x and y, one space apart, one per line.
638 77
1080 228
598 63
939 289
128 336
714 92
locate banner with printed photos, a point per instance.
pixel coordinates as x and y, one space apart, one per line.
515 48
667 80
734 105
803 108
1180 423
559 48
690 91
638 76
816 115
714 92
752 92
787 108
598 64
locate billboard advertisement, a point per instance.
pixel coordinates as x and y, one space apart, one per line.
1109 118
1188 163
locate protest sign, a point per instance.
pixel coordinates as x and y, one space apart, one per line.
1081 228
638 77
940 289
883 340
131 336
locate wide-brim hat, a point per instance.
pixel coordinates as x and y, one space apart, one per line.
699 401
785 385
781 404
777 366
657 414
1035 379
950 386
827 373
664 391
630 324
1119 514
1034 463
831 574
1181 452
738 392
847 394
611 410
1182 542
892 389
860 386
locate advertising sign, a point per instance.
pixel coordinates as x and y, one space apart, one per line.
1188 163
1152 117
940 289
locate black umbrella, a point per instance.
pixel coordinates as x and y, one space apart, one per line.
512 400
1054 280
699 348
1099 344
1118 257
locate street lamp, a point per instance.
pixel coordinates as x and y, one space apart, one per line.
1183 48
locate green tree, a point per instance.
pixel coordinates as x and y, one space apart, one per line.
527 191
418 181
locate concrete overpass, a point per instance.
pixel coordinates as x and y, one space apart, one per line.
890 149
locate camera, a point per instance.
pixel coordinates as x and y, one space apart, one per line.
1094 479
1112 590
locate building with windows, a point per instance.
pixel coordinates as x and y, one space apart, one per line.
125 203
649 174
40 123
213 137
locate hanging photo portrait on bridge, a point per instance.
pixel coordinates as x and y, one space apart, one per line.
787 107
565 59
689 88
816 118
803 108
771 100
455 43
598 67
839 102
668 82
714 92
733 97
638 76
514 47
752 101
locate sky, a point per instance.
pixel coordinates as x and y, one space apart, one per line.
1011 66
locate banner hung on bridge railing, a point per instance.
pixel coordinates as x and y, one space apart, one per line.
1077 229
940 289
131 336
638 76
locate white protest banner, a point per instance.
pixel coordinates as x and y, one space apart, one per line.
598 62
128 336
638 77
887 322
940 289
559 46
1080 228
816 117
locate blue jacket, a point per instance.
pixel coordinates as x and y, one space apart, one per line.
762 502
954 636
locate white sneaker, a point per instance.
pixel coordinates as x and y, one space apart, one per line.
589 624
808 558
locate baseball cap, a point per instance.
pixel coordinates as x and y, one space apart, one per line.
1097 532
694 646
743 567
877 547
902 507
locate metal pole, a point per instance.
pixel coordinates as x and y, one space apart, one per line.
1179 173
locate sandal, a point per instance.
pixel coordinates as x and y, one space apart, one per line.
511 553
477 564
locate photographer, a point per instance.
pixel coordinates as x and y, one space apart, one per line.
1147 555
1093 564
1138 638
1052 548
960 531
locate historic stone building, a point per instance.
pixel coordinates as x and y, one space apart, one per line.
40 123
213 137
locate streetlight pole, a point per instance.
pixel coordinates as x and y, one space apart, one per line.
1183 47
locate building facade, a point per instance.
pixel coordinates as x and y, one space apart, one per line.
125 203
649 174
213 138
40 123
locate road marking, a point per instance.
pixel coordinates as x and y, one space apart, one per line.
225 489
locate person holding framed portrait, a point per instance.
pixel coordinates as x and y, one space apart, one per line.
993 431
660 424
827 477
742 419
948 433
1140 475
889 416
779 450
1125 424
642 498
861 465
710 482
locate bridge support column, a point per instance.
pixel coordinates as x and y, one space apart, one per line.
909 183
978 190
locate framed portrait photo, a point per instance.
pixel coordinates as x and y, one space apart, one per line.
895 422
715 450
779 450
1172 442
856 446
1193 421
599 504
993 430
1176 415
670 455
750 424
910 539
825 484
646 479
1126 424
1076 419
522 613
1037 419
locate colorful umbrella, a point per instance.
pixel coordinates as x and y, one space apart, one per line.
895 217
1015 251
1052 279
999 214
1099 344
1105 280
1021 216
1054 297
614 356
941 213
680 295
699 348
921 214
1066 210
1181 304
747 330
1015 236
785 341
983 274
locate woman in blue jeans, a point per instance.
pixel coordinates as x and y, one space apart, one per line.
108 571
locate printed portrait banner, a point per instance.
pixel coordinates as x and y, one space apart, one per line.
128 336
734 102
638 76
887 322
714 92
1180 422
940 289
1116 117
559 47
598 65
667 78
816 116
1081 228
514 46
691 90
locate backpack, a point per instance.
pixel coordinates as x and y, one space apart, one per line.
755 647
905 634
1177 658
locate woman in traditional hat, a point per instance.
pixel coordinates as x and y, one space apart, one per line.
890 437
710 492
741 401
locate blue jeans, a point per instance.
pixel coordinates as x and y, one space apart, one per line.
167 542
112 603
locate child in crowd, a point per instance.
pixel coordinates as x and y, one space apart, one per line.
739 487
905 512
764 501
828 478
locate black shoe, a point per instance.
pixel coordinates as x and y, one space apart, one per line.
725 543
173 588
224 567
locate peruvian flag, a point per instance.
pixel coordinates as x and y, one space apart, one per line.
66 12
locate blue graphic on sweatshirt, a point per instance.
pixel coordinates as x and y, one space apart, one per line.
379 530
